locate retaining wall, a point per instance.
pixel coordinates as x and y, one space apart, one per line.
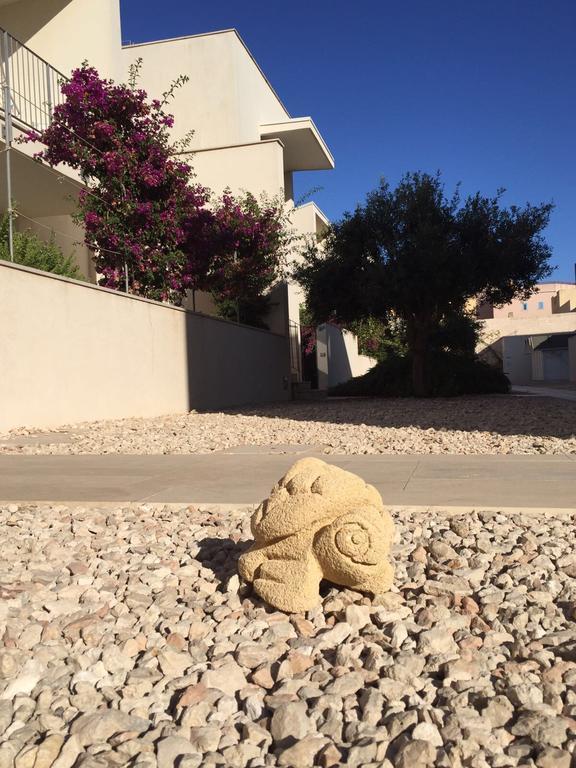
71 352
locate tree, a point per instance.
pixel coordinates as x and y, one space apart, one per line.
415 254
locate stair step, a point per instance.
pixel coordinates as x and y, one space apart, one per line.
310 394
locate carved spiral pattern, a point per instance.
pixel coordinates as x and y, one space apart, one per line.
353 540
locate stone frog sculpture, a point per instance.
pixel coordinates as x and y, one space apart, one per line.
319 522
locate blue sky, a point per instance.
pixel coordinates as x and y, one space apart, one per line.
482 90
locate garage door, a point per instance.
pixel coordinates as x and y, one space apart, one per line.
555 363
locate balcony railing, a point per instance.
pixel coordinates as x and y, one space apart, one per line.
31 87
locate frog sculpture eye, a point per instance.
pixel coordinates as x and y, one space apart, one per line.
319 522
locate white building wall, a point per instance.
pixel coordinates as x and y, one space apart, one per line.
227 96
256 168
225 102
67 32
337 356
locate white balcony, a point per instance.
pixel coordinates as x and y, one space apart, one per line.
34 85
304 147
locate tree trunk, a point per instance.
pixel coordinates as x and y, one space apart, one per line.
419 383
417 337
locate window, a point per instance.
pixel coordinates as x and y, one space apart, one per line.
540 305
524 305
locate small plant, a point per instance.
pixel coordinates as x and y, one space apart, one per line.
31 251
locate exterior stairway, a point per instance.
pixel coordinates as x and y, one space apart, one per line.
302 390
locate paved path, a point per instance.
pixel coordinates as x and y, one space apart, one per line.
246 476
567 392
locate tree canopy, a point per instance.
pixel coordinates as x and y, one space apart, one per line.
416 254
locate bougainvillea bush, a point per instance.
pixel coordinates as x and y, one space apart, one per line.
145 220
253 238
139 208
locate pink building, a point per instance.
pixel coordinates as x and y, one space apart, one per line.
533 339
547 299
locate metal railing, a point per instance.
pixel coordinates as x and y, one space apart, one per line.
31 87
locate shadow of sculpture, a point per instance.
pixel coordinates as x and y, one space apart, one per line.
221 556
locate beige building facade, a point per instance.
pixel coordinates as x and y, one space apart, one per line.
547 299
244 137
533 339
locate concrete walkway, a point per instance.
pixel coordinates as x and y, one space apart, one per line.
246 476
567 392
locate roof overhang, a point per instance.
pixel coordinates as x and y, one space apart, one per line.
551 340
304 147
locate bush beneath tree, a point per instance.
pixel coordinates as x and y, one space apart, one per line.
450 375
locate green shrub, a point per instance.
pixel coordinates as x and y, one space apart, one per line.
250 311
31 251
450 375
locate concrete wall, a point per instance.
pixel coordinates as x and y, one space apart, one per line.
338 358
572 357
496 328
525 365
518 362
344 360
308 219
256 168
74 352
503 342
277 318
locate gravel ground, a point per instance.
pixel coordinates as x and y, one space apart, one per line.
128 641
471 425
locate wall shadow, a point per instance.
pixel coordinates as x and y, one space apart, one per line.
24 26
230 364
